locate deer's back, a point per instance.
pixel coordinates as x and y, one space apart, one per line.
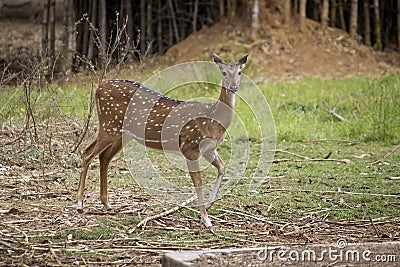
153 119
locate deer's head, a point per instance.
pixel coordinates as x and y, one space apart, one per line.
230 72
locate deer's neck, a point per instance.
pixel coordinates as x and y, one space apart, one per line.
227 97
223 109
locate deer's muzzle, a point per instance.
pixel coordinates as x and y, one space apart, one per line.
233 88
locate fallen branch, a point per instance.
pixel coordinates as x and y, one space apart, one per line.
306 159
213 218
378 234
333 113
162 214
247 216
349 142
346 161
332 192
387 155
55 256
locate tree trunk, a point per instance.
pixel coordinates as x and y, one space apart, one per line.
68 37
234 8
92 36
71 32
332 21
159 29
173 20
367 27
231 9
315 9
302 11
142 27
353 18
342 22
121 14
103 26
52 31
130 23
170 30
45 27
221 10
85 25
182 26
287 13
377 28
387 21
324 14
398 23
195 11
296 6
254 18
149 23
65 62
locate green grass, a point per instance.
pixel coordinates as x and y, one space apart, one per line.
320 185
371 108
104 231
47 103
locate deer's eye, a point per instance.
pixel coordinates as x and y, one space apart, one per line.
224 73
239 73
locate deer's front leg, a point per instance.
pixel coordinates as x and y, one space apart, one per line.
195 174
217 162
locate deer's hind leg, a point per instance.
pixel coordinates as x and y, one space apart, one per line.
105 158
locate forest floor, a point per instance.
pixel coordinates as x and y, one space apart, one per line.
38 178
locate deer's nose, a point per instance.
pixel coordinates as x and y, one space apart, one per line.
233 87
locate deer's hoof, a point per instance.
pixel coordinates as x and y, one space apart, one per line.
207 223
107 206
79 206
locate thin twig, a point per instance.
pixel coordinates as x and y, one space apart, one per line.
246 215
333 113
291 153
387 155
213 218
332 192
346 161
304 158
378 234
55 256
349 142
10 246
87 122
162 214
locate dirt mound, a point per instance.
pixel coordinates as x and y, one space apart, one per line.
283 52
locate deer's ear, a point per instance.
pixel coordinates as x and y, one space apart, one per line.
243 60
217 59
